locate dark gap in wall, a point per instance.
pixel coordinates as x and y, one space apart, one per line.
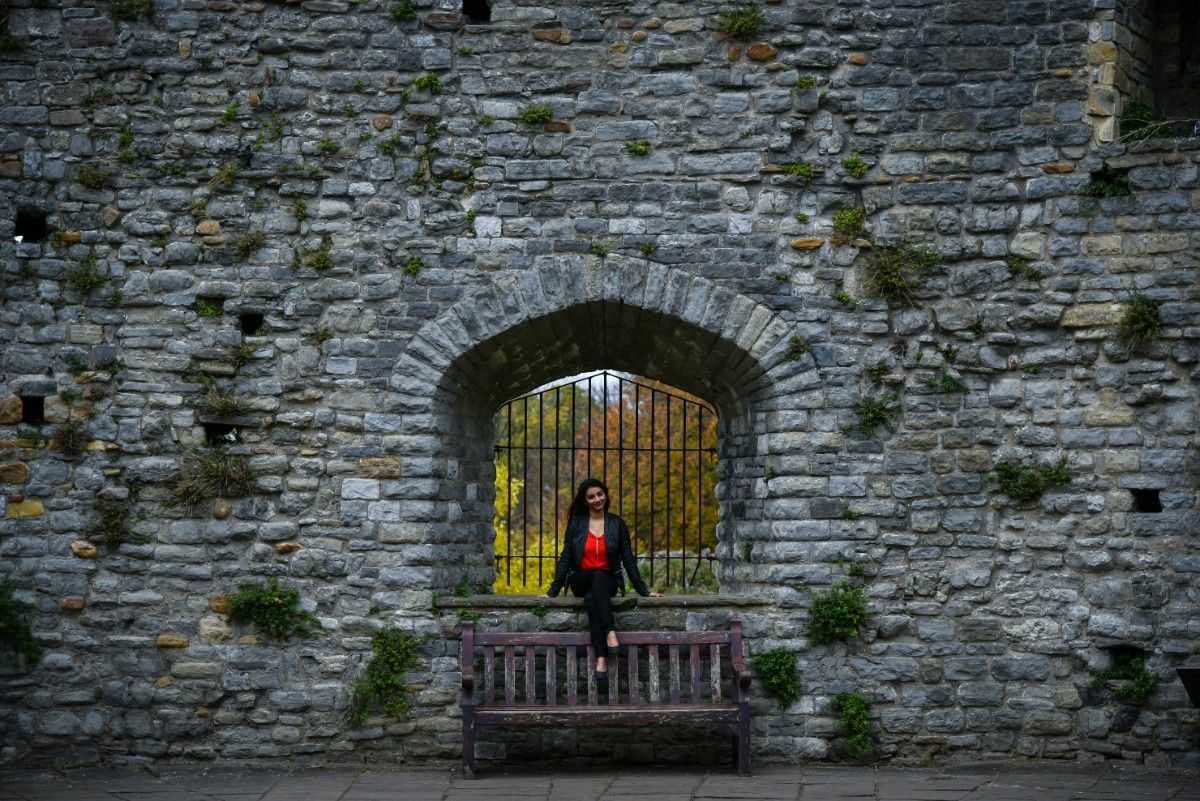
1109 182
477 10
219 434
33 409
31 225
1175 51
250 322
1146 500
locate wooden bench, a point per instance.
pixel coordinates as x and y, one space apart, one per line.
654 690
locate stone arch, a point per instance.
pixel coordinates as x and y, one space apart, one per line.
508 337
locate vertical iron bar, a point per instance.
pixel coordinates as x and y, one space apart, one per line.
653 453
604 429
557 459
541 484
668 479
508 498
589 436
574 454
621 443
683 500
525 490
637 453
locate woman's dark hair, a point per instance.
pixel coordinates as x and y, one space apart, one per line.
579 507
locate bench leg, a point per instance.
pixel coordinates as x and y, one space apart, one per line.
468 746
743 743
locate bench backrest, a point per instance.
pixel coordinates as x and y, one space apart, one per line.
659 668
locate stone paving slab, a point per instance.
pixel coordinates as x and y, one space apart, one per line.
992 782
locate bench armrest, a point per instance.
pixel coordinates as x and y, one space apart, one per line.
468 680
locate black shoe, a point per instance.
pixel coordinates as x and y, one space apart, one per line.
602 677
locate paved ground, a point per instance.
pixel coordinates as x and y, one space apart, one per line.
986 782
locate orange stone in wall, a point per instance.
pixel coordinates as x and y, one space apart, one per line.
761 52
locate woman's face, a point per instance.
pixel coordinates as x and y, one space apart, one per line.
595 499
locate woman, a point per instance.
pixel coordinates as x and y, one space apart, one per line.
595 546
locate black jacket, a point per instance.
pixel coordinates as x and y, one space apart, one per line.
616 543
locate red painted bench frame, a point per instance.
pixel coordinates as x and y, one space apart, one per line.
617 711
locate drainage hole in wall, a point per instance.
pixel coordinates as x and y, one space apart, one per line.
250 322
219 434
1146 500
30 226
33 409
477 10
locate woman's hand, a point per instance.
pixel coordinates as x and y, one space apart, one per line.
543 595
656 595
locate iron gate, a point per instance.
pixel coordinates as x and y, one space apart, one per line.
655 448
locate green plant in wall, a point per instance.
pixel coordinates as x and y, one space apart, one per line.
430 82
806 82
837 614
536 114
854 719
239 355
328 147
855 165
647 249
598 249
1141 321
945 381
848 224
1108 183
776 670
111 524
71 437
250 241
740 22
1129 666
91 176
412 266
540 611
388 146
402 12
272 610
383 681
1020 266
16 635
798 347
897 274
225 174
131 9
1026 484
85 278
230 113
870 413
220 402
844 298
802 171
1141 121
300 210
211 473
638 147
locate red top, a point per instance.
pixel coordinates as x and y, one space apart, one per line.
595 556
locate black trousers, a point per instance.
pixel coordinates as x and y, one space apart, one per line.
596 588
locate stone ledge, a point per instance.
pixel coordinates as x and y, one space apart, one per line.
619 602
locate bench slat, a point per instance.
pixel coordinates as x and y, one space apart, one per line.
561 638
605 715
653 692
510 676
572 677
551 676
632 680
714 673
673 670
590 671
530 675
614 677
489 675
694 672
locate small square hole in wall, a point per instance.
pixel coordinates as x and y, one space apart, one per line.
33 409
30 226
219 434
250 322
1146 500
477 10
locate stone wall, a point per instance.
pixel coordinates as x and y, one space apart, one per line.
420 249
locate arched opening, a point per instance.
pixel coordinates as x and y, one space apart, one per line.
654 446
565 319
